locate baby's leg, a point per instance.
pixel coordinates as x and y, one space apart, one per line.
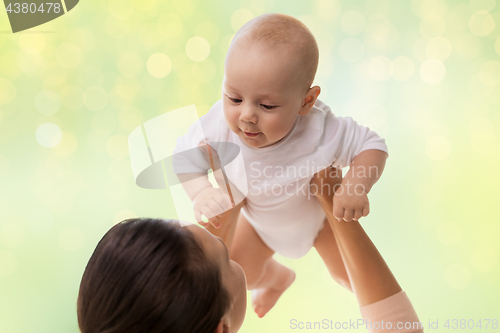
266 277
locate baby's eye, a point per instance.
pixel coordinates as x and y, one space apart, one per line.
269 107
234 100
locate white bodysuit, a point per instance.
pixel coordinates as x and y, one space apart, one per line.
279 205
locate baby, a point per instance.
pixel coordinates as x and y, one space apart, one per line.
286 135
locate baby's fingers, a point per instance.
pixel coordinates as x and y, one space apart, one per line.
348 215
357 215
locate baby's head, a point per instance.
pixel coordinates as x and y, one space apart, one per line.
268 73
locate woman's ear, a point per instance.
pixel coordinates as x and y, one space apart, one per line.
222 328
309 100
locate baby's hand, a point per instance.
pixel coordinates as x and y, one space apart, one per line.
350 203
211 203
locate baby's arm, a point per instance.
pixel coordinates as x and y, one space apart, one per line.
350 201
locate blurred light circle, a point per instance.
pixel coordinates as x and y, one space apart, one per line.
477 5
208 30
381 68
481 130
83 38
352 22
159 65
468 46
68 144
497 45
124 215
130 118
30 62
117 146
104 122
328 9
90 75
47 102
48 135
438 148
120 9
457 276
351 50
12 235
8 263
204 71
95 98
432 26
484 258
438 48
170 25
7 91
432 71
68 55
448 232
240 17
130 65
459 16
478 88
72 97
197 48
481 23
489 73
71 239
404 68
33 41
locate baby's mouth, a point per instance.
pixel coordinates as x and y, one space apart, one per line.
250 134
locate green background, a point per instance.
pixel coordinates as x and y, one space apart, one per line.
424 74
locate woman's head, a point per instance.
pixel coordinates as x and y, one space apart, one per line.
152 275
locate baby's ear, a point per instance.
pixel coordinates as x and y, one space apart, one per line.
309 100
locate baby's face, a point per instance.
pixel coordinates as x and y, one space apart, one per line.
260 98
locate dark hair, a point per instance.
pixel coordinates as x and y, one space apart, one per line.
150 275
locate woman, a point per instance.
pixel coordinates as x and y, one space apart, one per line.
152 275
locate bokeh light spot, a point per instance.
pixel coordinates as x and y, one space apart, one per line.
404 68
47 102
484 258
71 239
432 26
448 232
352 22
197 48
8 263
381 68
240 17
68 144
124 215
170 25
481 23
438 148
159 65
438 48
95 98
477 5
48 135
457 276
121 9
497 45
432 71
489 73
130 64
72 97
68 55
351 50
117 146
30 61
468 46
481 130
7 91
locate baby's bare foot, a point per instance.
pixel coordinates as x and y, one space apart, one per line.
264 299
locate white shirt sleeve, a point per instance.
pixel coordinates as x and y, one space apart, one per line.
351 139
